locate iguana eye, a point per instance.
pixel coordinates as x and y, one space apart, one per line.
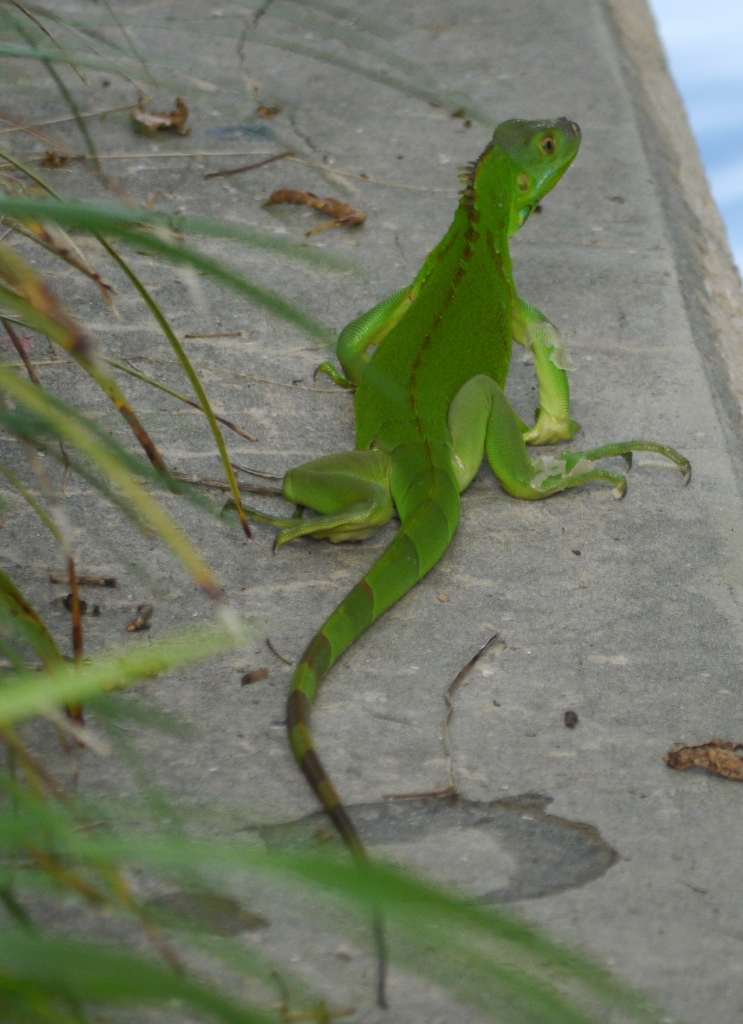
547 145
523 183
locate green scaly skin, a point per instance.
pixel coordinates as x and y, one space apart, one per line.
429 403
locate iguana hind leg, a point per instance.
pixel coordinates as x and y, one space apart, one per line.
482 421
349 490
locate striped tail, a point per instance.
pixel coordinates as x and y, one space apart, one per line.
418 545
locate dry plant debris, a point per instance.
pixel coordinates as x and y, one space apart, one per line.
343 214
254 676
158 121
89 581
142 619
55 160
721 757
248 167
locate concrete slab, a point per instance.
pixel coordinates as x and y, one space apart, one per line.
628 613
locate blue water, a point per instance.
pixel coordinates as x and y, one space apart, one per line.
704 45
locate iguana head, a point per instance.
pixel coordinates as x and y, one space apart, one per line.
539 153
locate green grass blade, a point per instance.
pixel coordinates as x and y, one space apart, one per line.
78 433
28 497
110 218
87 971
122 225
193 378
18 609
30 693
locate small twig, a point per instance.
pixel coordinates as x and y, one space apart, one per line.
220 485
283 384
272 649
18 346
449 701
248 167
257 472
365 177
134 372
41 362
183 154
87 581
217 334
143 357
449 790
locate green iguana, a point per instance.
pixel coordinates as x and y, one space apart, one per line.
429 364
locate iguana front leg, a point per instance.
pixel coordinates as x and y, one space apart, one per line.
535 332
364 333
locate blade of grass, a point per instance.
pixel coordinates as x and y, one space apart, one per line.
112 217
132 227
519 968
19 347
129 41
42 28
92 972
175 394
193 378
455 103
36 429
43 313
67 97
74 712
28 694
78 433
372 25
19 610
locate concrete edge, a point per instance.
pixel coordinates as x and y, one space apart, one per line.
709 279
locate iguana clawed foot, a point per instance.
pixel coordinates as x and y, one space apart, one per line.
335 376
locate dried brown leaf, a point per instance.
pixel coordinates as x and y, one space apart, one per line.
721 757
343 214
149 123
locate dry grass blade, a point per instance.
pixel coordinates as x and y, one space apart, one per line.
57 241
29 296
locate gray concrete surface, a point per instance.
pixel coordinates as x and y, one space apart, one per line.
640 633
